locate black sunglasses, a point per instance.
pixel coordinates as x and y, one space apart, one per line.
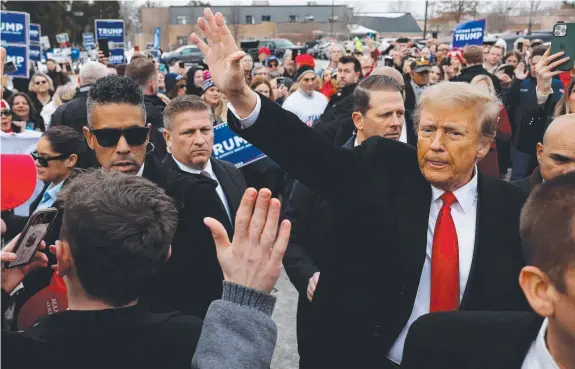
6 112
109 137
45 161
273 65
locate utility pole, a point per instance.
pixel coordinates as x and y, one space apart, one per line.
331 19
425 21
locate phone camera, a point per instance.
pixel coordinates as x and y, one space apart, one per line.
560 30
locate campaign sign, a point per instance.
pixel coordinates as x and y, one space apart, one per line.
117 56
35 33
88 39
232 148
469 33
110 29
62 38
15 27
18 54
35 52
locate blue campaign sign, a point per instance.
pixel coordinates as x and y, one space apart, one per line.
35 52
88 39
469 33
117 56
18 54
111 29
35 33
232 148
15 27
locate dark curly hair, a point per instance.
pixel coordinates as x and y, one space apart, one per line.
114 90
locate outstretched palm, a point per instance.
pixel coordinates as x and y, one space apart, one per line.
221 53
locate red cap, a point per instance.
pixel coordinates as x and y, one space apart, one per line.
305 59
4 105
18 179
264 50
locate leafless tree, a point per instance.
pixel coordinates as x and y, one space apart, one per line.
456 9
533 7
498 16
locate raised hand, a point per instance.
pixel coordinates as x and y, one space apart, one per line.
520 72
544 70
254 258
221 53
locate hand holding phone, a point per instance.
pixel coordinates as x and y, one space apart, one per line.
564 41
12 277
104 47
547 68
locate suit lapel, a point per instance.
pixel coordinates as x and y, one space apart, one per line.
230 188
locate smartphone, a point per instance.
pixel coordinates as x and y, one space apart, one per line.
30 238
104 47
446 61
10 67
564 40
280 81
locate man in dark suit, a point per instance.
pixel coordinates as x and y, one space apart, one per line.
393 208
556 154
378 111
189 135
118 135
473 56
515 340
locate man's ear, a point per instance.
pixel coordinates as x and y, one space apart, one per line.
64 259
89 137
539 149
484 147
357 118
538 290
168 138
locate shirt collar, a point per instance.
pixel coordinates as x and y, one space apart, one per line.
189 169
465 195
54 189
542 353
141 171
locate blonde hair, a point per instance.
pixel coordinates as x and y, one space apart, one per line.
463 96
484 78
221 111
65 92
33 81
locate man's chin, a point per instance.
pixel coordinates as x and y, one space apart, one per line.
126 169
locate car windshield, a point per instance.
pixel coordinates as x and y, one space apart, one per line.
283 43
187 49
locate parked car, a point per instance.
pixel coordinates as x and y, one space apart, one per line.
187 54
277 46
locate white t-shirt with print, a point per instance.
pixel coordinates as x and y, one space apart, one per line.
307 108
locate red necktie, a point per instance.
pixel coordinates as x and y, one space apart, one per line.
445 260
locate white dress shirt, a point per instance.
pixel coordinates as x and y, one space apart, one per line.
464 213
210 170
538 356
141 171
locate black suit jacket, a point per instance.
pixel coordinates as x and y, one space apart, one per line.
470 340
192 278
380 204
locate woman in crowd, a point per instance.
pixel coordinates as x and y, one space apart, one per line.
435 74
24 110
7 118
161 82
175 85
215 99
567 103
512 58
59 154
247 64
263 87
194 78
280 88
41 90
62 95
456 66
489 165
289 67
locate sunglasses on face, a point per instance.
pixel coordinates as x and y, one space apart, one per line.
45 161
182 86
109 137
40 82
273 65
7 113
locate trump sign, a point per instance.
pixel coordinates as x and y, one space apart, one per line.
232 148
15 27
111 29
18 54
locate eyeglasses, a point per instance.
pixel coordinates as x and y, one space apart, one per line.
7 113
182 86
273 65
41 82
109 137
45 161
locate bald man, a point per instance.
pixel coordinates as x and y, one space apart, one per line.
556 155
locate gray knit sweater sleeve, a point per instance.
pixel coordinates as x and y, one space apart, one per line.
238 331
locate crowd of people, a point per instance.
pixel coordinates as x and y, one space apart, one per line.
408 240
